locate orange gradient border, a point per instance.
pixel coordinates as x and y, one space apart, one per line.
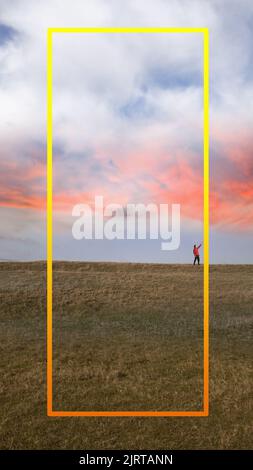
50 33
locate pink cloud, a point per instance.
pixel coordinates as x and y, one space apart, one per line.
149 177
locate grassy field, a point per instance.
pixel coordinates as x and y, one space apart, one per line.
126 337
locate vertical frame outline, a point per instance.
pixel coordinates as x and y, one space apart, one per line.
205 32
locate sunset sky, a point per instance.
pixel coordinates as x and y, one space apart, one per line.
127 122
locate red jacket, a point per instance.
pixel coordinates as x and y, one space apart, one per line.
196 250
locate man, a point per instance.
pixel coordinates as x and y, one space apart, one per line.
196 253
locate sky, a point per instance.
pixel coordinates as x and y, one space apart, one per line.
127 124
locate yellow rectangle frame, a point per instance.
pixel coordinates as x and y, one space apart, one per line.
51 31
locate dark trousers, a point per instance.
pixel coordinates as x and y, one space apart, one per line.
196 259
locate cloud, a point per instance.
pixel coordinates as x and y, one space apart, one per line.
22 176
128 108
7 34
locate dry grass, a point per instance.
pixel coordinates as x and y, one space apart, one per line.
126 336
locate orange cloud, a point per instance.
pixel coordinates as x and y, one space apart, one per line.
181 184
149 177
23 186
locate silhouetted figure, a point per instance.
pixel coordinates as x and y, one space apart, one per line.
196 254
